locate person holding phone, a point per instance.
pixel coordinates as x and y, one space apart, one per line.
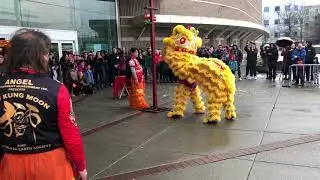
252 57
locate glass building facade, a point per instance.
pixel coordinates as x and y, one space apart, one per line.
94 20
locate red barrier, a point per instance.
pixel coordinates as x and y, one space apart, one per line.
119 83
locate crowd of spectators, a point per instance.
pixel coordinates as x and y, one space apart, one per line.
90 72
230 55
296 54
93 71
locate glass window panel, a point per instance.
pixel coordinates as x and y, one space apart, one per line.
96 29
65 3
94 20
55 49
67 47
105 7
46 16
10 12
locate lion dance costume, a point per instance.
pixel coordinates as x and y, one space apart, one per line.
212 75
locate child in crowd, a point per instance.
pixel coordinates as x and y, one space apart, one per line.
89 76
233 64
81 86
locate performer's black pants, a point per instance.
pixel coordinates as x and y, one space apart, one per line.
272 70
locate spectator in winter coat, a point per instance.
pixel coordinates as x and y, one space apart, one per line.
252 56
81 85
81 66
98 71
122 63
299 57
113 62
148 64
311 53
158 67
238 57
225 55
272 58
65 67
89 75
287 61
220 53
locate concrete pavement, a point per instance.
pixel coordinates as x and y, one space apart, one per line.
267 113
101 109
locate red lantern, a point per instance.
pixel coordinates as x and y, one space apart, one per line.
146 16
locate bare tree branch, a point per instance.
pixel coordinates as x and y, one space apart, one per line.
292 20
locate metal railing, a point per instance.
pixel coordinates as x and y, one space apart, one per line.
313 71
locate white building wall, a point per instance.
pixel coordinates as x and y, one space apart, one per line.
273 15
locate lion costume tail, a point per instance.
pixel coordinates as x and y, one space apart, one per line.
217 80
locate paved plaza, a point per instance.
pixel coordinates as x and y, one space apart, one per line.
267 113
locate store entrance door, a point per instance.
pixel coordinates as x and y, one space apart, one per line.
60 47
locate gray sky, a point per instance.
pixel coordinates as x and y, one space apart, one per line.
312 2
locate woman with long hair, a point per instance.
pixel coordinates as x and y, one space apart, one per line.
40 137
136 96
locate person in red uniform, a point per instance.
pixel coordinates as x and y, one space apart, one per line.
40 138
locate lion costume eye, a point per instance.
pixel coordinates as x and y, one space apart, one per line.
183 40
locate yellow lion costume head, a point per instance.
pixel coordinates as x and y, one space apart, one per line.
184 39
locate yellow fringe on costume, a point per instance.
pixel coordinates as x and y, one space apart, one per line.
212 75
182 95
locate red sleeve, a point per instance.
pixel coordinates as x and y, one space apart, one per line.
69 130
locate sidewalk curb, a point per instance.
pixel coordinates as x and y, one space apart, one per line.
212 158
116 120
113 122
